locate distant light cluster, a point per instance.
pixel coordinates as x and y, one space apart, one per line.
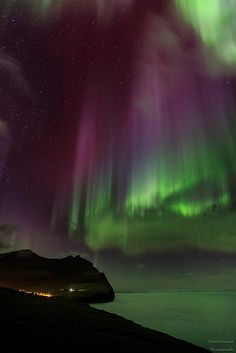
36 293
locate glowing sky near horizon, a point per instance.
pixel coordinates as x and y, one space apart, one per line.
151 132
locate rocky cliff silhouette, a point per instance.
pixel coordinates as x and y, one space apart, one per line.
71 276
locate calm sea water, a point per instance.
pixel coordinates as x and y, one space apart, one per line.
207 319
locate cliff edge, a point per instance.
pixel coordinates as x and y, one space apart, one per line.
72 277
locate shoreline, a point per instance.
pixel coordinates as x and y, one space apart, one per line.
66 322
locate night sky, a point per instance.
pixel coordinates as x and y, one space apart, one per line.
118 128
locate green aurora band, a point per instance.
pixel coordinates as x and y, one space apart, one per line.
163 177
171 178
214 21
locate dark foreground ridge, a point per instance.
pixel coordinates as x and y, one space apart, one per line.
60 322
70 276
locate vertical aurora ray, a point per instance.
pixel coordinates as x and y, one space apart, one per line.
93 174
181 166
83 167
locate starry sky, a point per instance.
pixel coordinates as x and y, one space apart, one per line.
117 126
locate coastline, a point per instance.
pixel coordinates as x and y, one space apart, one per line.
198 317
64 322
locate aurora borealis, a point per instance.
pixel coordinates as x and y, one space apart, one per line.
118 123
214 22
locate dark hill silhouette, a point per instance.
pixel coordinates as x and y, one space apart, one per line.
70 276
32 322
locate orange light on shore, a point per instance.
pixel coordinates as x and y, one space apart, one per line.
39 294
